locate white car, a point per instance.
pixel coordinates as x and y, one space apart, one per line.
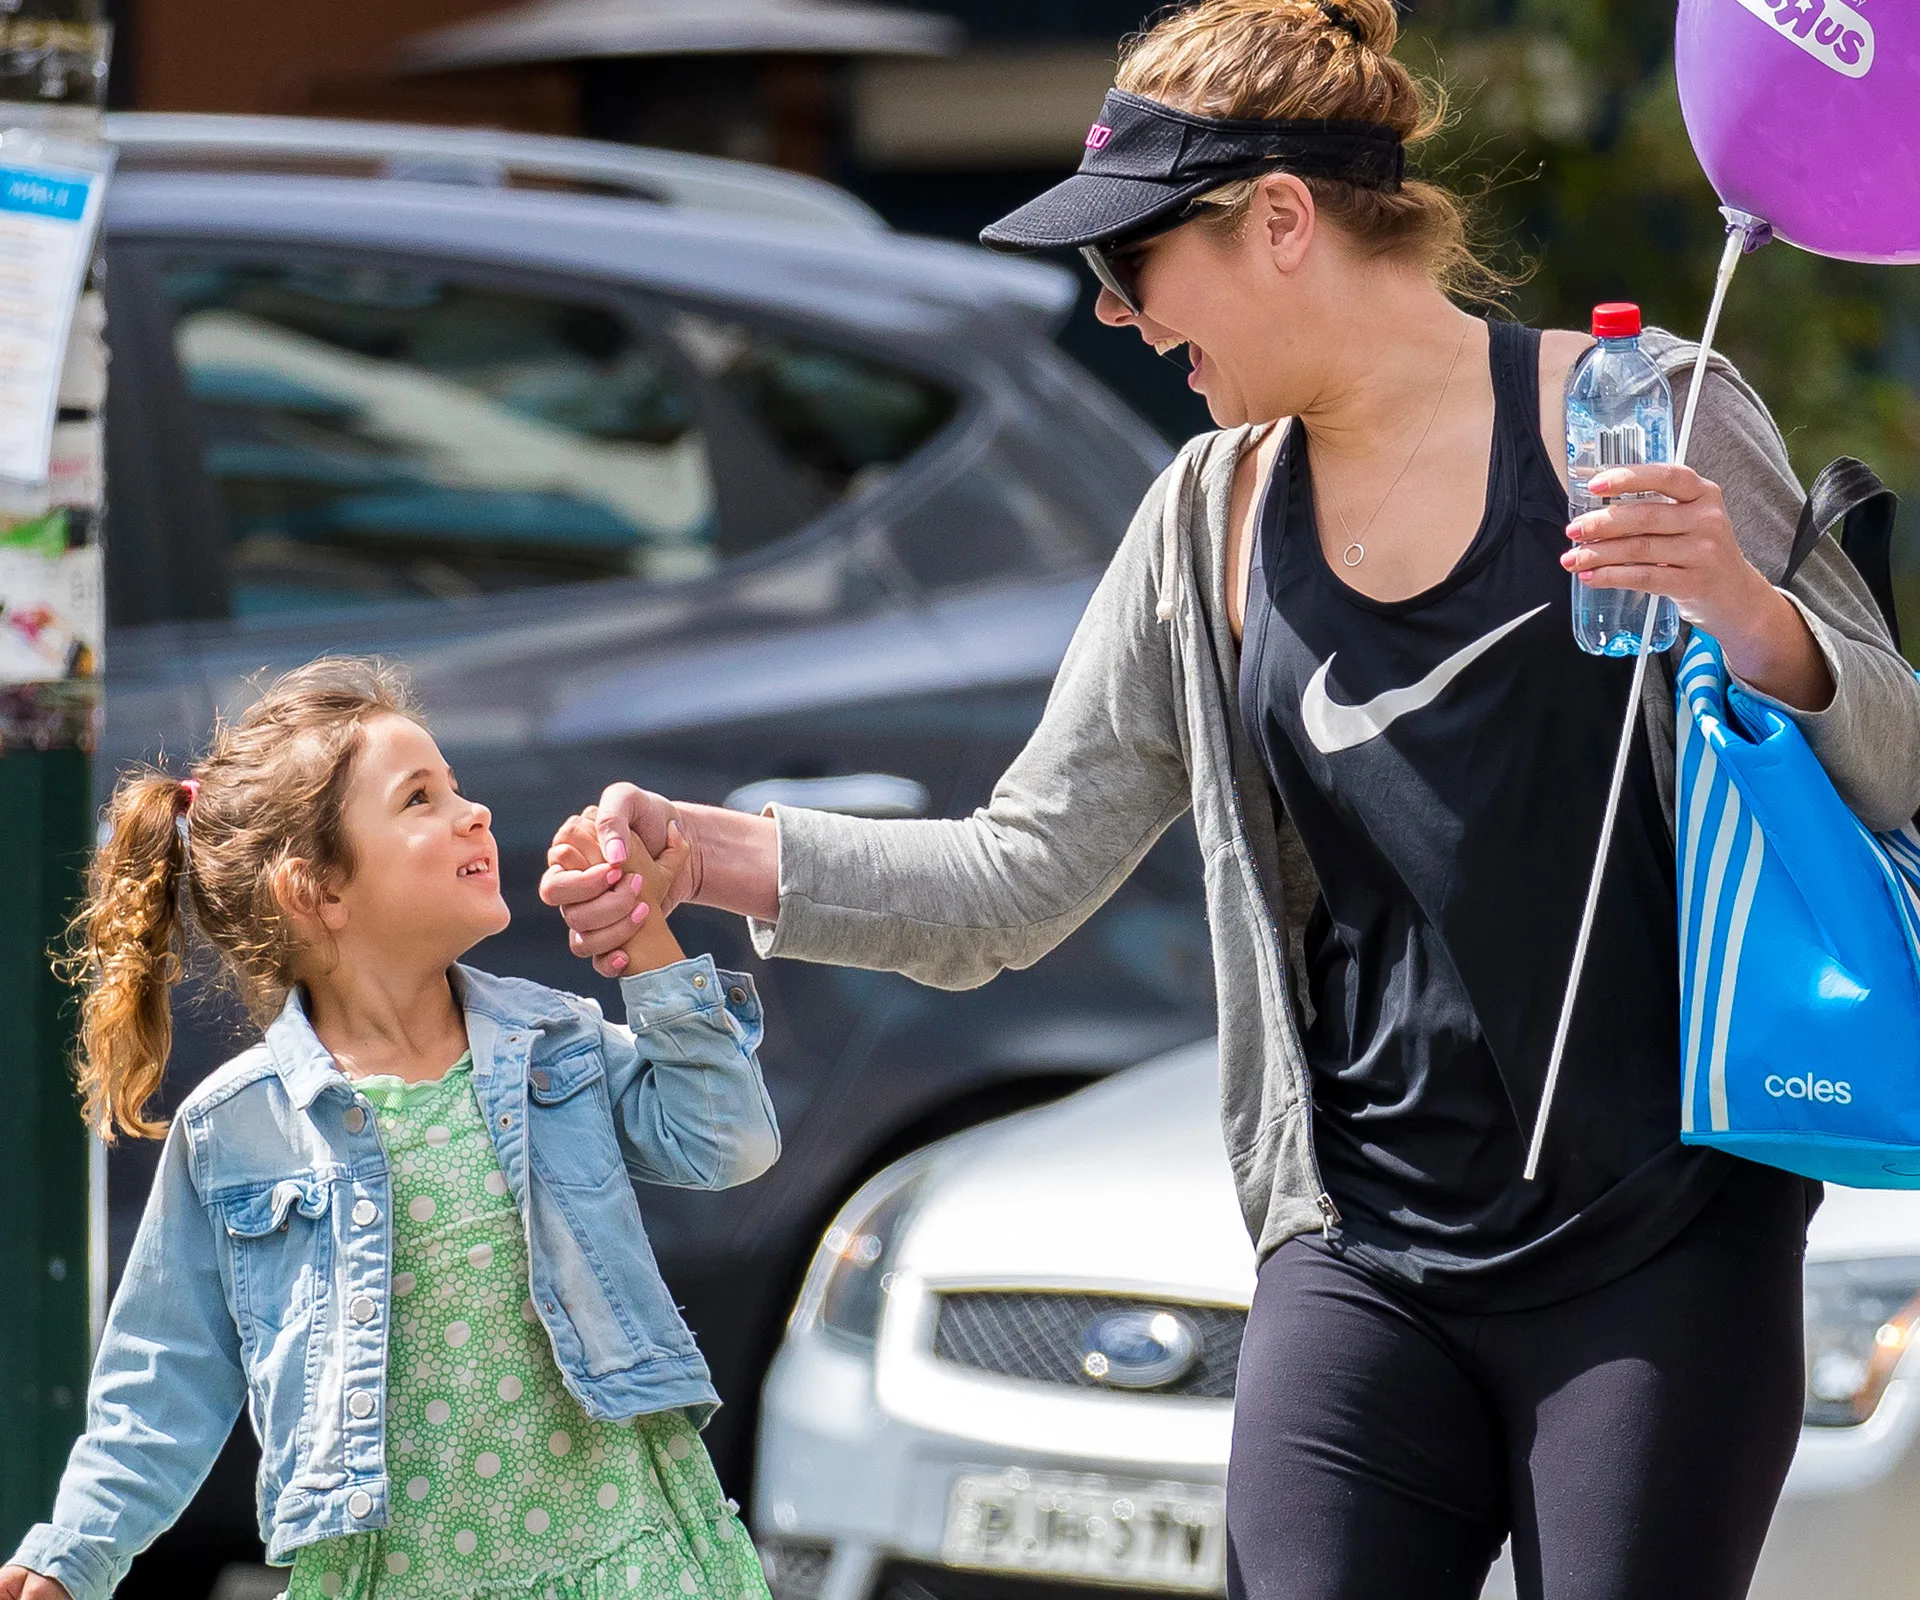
1010 1372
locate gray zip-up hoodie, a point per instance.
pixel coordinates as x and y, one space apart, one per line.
1143 723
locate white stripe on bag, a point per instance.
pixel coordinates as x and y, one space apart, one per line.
1706 975
1730 975
1691 744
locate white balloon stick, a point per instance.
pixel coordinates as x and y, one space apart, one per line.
1737 236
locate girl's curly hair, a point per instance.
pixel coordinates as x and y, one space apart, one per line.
262 808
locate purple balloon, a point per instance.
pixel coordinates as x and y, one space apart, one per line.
1806 113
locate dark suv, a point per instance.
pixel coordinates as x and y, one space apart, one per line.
650 467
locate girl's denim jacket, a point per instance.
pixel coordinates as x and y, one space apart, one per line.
260 1271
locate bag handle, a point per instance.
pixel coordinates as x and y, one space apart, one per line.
1848 493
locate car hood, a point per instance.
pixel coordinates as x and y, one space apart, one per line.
1122 1187
1125 1187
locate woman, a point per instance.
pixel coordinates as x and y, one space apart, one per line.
1604 1363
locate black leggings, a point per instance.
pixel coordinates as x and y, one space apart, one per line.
1632 1440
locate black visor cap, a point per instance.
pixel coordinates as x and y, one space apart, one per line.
1145 163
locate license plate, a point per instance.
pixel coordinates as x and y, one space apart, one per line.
1159 1535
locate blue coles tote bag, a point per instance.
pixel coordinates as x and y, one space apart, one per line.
1799 949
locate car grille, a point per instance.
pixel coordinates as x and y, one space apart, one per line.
1036 1336
910 1580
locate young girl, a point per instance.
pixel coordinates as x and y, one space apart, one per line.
401 1228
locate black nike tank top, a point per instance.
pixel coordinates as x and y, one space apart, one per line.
1446 761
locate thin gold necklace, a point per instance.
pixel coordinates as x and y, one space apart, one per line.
1356 552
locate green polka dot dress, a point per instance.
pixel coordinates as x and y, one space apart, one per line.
502 1485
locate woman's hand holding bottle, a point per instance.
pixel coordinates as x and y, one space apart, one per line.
1684 546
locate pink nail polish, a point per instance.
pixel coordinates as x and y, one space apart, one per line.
639 913
616 849
617 960
614 875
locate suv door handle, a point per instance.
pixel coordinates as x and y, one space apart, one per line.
853 794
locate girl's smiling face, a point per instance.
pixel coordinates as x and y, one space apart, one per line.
426 869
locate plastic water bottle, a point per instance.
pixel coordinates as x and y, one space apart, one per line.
1619 412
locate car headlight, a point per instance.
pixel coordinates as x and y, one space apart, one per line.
847 1283
1861 1316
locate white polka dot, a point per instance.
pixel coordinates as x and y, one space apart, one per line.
608 1497
480 1257
398 1562
496 1183
724 1530
417 1488
487 1464
634 1575
331 1583
438 1136
527 1313
679 1447
466 1541
560 1442
537 1521
420 1208
438 1411
458 1333
700 1546
403 1283
510 1389
689 1584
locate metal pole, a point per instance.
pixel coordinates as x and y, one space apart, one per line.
53 56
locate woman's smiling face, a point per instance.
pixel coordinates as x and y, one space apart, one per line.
1230 298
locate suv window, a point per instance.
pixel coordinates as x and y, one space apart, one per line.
377 434
381 433
840 420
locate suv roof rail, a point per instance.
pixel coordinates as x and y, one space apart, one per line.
204 141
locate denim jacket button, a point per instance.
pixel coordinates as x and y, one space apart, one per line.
361 1403
737 995
362 1309
365 1213
540 1080
360 1503
356 1119
506 1119
699 980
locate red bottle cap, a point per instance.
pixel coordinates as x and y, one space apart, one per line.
1617 319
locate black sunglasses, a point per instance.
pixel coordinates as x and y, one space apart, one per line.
1116 271
1116 264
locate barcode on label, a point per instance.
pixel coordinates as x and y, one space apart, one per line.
1624 446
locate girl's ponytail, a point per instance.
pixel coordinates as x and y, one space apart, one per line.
127 944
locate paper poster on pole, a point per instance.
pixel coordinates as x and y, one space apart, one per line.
51 191
52 603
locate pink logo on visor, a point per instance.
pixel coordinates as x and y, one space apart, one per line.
1098 135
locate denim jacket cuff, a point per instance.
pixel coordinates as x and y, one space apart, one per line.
687 988
70 1559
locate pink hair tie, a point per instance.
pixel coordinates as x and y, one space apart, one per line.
190 787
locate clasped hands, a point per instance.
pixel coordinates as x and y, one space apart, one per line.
614 871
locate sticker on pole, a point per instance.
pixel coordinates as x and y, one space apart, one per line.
51 603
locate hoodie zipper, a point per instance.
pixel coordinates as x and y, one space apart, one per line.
1297 1055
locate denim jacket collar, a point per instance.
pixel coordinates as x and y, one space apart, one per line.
491 1006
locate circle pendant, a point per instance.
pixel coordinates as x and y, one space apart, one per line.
1354 554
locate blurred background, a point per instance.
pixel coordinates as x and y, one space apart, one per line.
699 476
942 116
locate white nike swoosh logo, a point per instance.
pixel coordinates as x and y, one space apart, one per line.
1333 727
